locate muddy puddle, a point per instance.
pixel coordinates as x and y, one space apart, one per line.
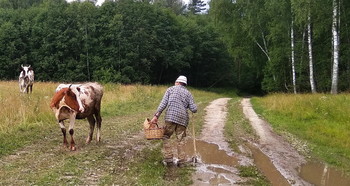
314 173
209 153
265 165
217 167
214 166
323 175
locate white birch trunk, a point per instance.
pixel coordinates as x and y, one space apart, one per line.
335 44
311 68
263 50
292 56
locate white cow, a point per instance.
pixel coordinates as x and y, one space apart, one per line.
26 79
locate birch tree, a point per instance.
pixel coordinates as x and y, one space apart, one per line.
303 12
335 45
311 68
292 55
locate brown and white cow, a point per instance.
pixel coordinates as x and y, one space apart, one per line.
78 102
26 79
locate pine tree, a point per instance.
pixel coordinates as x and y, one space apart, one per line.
197 6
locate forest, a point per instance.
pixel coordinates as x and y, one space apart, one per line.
261 46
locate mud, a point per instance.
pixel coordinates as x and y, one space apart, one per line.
214 166
283 156
321 174
277 159
267 168
208 153
217 162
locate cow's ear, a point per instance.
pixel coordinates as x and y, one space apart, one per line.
30 68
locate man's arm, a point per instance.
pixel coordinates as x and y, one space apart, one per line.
163 104
192 106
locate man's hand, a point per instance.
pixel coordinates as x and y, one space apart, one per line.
154 120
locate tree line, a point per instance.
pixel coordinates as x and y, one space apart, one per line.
256 46
120 41
291 45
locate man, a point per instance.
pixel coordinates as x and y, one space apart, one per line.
177 99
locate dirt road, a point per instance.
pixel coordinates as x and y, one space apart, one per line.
280 154
217 162
283 156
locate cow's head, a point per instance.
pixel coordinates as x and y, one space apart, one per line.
77 91
71 98
25 70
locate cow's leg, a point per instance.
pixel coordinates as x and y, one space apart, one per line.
71 131
99 123
26 89
63 129
31 88
92 121
23 90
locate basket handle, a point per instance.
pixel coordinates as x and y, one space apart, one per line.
152 125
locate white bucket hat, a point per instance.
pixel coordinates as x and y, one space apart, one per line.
182 79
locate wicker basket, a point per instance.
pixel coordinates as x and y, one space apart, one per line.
154 132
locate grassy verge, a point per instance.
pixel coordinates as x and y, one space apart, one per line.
322 120
238 129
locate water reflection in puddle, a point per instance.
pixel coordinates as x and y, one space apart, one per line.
215 167
210 153
267 168
323 175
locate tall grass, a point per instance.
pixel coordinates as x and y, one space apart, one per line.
323 120
24 110
123 99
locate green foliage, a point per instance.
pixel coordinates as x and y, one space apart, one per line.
258 37
120 42
197 6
